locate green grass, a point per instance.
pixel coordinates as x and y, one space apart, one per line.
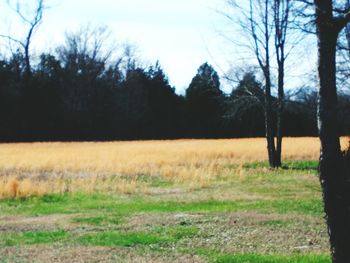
80 203
33 237
303 165
156 236
120 239
276 223
154 181
160 235
257 216
176 233
272 259
98 220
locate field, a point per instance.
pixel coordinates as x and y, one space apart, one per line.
161 201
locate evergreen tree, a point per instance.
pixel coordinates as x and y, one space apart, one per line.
205 102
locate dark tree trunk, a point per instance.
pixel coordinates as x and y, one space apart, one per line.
271 149
280 108
331 170
27 61
281 20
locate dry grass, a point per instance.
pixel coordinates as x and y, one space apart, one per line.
90 166
14 186
11 187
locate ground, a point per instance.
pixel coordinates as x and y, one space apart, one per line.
202 204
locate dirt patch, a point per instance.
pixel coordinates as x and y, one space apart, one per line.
255 217
243 232
262 234
164 191
80 254
243 218
143 222
21 223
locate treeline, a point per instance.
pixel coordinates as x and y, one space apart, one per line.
78 94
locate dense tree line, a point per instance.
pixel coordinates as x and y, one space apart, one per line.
77 94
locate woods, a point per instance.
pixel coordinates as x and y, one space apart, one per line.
78 95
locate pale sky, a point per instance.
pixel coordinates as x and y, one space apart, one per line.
181 34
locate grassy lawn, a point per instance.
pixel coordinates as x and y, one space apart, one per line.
248 214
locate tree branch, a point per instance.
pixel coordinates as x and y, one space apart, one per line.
342 20
13 40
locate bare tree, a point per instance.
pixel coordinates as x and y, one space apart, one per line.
266 22
87 42
262 52
33 21
281 9
84 57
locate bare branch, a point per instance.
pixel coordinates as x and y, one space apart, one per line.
13 40
32 23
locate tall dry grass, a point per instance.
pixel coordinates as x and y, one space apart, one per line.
12 186
40 168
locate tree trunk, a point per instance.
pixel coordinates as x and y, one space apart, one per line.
281 21
271 149
28 70
331 170
280 108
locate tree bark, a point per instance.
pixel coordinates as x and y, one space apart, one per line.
28 69
281 21
280 109
331 170
271 148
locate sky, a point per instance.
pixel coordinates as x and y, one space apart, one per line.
181 34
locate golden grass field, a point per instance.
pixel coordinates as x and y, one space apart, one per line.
40 168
